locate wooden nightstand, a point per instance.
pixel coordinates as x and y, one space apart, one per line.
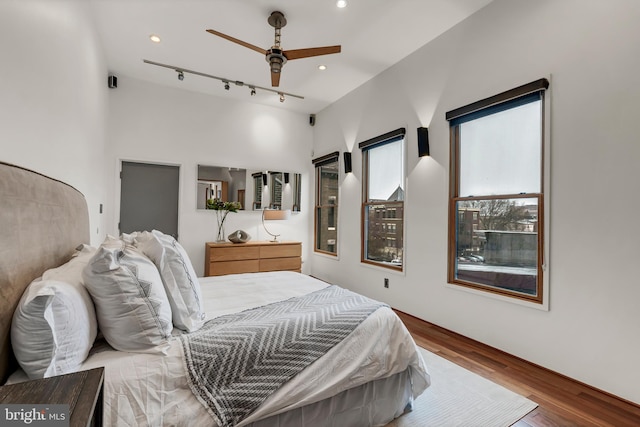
251 257
82 391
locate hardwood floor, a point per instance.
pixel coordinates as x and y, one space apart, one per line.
561 401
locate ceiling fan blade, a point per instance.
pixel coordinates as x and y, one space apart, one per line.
312 51
275 79
240 42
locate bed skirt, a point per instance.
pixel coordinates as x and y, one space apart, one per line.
375 403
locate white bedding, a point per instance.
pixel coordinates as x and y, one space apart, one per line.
147 389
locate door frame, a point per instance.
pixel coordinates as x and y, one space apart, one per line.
117 189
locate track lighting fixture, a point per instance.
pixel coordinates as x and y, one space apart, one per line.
226 81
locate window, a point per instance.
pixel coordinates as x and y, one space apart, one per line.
497 193
326 225
383 200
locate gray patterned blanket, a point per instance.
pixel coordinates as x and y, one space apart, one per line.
236 361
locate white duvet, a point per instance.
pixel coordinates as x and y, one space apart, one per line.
145 389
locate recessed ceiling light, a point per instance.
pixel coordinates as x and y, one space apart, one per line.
154 38
341 3
322 67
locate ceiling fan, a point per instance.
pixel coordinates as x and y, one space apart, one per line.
276 56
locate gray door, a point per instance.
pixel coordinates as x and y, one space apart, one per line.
149 198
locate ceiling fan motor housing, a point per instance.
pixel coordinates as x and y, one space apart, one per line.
276 59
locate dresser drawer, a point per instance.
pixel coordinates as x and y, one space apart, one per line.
234 253
233 267
276 264
280 251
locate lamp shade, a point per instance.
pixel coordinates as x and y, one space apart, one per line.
276 214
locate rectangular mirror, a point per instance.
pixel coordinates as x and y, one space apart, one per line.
253 189
224 183
276 190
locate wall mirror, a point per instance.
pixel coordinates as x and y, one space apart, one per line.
224 183
253 189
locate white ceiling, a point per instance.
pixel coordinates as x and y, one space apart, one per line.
374 35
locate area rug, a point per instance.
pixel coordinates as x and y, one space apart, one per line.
459 398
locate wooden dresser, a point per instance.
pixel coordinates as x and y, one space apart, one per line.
251 257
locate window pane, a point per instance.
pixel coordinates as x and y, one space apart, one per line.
497 243
500 153
326 228
384 228
328 188
326 221
386 174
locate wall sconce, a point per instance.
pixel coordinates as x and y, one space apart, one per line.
286 177
274 215
347 162
264 179
423 141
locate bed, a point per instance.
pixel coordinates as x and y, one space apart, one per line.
366 375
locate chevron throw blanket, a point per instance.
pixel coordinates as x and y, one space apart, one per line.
236 361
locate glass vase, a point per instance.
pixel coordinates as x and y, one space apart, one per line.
221 215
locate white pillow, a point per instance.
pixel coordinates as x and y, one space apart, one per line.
54 325
131 304
178 277
71 272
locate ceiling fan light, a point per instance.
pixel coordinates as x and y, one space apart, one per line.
276 64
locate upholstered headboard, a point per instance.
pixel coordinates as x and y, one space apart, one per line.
42 221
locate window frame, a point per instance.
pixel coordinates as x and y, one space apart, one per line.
366 147
318 163
501 102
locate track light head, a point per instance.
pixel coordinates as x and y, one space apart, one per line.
226 85
180 75
253 91
282 97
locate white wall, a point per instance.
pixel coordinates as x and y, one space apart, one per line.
590 50
53 96
153 123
